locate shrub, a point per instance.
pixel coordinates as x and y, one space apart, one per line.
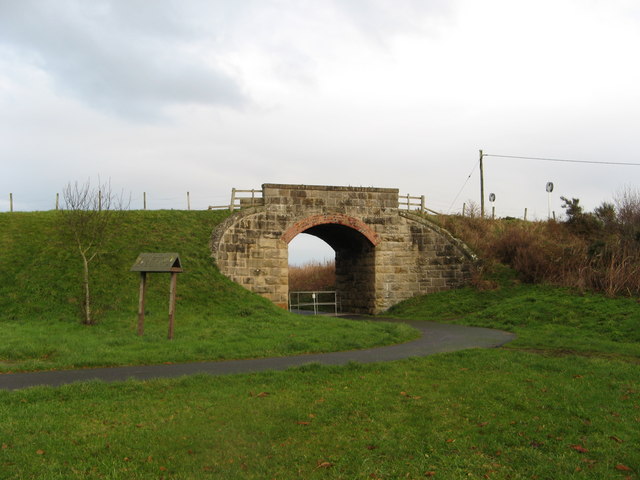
312 276
591 251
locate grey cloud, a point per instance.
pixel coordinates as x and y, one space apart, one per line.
133 58
137 58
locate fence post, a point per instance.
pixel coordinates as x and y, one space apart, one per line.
464 207
57 200
188 202
422 204
11 202
233 199
525 214
493 213
144 200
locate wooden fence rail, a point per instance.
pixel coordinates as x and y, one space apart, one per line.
100 196
407 202
240 199
253 197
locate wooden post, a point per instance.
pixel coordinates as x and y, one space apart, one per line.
57 200
493 213
99 200
481 186
253 197
143 290
188 202
464 207
172 302
232 205
422 204
11 202
554 215
144 200
525 214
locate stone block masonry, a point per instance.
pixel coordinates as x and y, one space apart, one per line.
383 255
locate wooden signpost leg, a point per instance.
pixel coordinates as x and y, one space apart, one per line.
172 302
143 289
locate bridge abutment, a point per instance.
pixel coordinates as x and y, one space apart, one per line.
383 255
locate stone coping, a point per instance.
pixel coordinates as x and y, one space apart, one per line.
329 188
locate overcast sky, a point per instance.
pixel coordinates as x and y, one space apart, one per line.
167 96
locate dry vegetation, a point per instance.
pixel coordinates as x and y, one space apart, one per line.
597 251
312 276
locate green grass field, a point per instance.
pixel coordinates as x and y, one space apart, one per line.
41 291
473 414
560 402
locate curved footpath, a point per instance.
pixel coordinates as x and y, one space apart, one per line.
435 338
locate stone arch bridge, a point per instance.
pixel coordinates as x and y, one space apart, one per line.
383 254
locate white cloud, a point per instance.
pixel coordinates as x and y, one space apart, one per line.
203 96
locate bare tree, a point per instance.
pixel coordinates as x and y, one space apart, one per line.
627 201
89 217
472 209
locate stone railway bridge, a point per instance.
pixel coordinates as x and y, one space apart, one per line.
383 254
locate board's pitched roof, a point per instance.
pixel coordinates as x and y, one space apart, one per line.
158 262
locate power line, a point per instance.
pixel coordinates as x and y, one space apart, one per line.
561 160
464 185
543 159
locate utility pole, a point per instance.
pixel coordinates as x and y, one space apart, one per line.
481 187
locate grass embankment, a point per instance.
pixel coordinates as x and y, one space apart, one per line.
499 414
41 292
544 317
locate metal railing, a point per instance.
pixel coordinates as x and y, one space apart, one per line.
314 301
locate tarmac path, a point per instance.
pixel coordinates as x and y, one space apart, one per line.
435 338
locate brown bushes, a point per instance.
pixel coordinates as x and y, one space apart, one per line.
603 260
312 276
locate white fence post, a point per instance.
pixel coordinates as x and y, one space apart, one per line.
232 205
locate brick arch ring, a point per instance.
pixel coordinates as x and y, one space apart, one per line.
333 218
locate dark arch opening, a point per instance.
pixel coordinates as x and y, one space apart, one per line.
355 265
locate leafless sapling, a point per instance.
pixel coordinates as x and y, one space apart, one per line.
89 217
